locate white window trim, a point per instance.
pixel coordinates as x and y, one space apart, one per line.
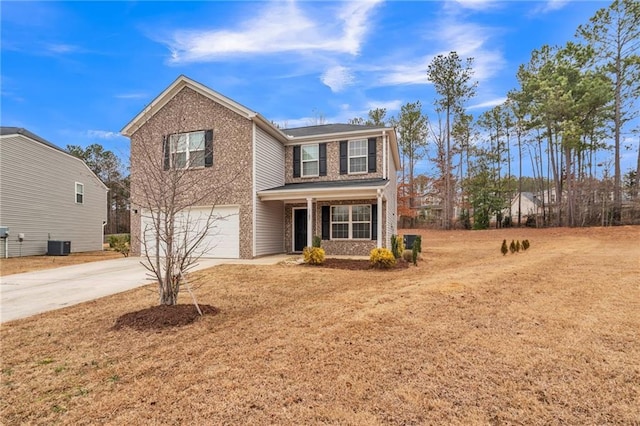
366 157
302 160
350 222
173 152
75 187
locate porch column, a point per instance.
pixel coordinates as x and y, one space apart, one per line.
379 212
309 222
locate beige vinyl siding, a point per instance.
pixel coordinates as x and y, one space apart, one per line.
268 215
37 198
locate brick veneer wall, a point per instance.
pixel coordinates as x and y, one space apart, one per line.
232 158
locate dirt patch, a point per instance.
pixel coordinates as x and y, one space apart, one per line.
162 317
18 265
355 265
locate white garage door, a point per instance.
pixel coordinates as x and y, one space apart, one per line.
221 238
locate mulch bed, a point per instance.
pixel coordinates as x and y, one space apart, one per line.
162 316
355 264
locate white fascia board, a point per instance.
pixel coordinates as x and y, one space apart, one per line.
327 137
321 193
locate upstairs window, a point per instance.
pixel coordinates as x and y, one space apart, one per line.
358 156
79 193
187 150
310 160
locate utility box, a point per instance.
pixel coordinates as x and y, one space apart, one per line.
409 240
58 248
4 232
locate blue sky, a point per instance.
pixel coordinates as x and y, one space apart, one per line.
77 72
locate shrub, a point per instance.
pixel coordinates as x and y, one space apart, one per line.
396 246
414 253
512 247
525 244
418 242
504 249
120 243
317 241
506 222
382 258
313 255
518 246
407 255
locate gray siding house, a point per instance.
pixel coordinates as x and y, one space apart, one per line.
47 194
335 181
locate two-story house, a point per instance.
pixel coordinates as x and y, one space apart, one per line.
336 181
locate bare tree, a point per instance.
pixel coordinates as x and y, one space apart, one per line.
171 174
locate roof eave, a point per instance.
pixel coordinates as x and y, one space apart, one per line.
321 193
336 135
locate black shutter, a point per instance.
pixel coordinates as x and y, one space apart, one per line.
372 155
166 152
374 221
322 148
344 146
296 161
326 222
208 148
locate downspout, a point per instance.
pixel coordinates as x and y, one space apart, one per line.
104 223
379 219
384 154
6 247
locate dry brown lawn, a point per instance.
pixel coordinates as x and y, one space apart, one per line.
548 336
17 265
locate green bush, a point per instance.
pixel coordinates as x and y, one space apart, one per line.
414 253
518 246
512 247
313 255
395 246
382 258
504 249
525 244
120 243
418 242
317 241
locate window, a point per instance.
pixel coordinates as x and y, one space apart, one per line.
79 193
310 156
187 150
358 156
351 222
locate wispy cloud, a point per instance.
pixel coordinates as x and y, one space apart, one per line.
265 34
475 4
390 106
550 6
130 96
337 78
103 134
489 104
62 48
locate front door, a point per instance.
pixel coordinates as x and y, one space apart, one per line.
299 229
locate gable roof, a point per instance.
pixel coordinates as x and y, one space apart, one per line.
7 131
183 81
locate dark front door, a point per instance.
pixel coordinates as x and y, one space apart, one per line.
299 229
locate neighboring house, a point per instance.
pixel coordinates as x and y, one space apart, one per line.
47 194
336 181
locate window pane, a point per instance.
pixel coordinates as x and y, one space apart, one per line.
196 159
361 230
309 152
79 188
196 141
358 164
180 160
310 168
358 147
179 143
340 230
340 213
361 213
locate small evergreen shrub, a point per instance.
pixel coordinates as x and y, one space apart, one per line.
414 253
504 249
120 243
407 255
313 255
382 258
512 247
317 241
397 246
525 244
518 246
418 242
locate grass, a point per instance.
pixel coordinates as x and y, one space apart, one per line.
17 265
545 336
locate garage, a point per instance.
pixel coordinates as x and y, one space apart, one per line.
221 238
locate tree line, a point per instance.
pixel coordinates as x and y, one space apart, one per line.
570 103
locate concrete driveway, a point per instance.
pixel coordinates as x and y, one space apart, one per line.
23 295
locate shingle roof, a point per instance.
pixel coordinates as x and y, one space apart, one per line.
327 129
22 131
337 184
